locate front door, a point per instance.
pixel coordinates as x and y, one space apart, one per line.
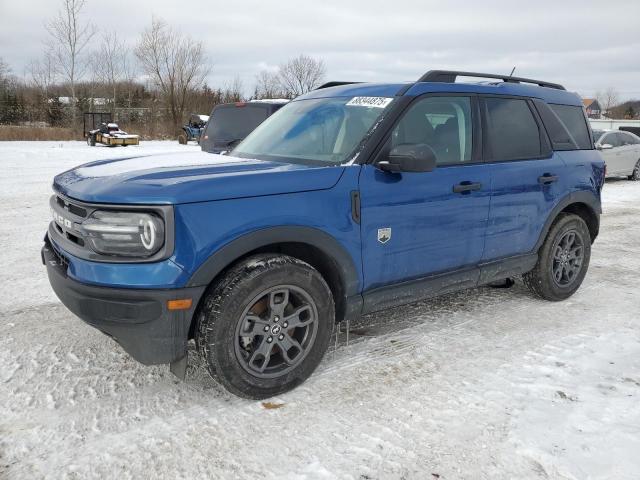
418 224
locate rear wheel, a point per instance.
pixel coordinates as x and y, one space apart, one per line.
635 176
182 139
265 325
91 140
563 259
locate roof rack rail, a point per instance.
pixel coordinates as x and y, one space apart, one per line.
334 84
449 76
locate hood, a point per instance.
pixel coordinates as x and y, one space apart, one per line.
189 177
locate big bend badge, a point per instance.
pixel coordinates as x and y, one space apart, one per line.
384 235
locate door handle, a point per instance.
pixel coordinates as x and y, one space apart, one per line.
547 178
464 187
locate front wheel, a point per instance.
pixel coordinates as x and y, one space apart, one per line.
635 176
563 259
265 325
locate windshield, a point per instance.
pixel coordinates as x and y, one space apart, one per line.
597 134
232 123
324 129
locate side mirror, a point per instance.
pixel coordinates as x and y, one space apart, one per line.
410 158
605 146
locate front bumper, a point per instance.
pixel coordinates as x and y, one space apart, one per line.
138 320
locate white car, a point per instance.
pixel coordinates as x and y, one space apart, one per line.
621 152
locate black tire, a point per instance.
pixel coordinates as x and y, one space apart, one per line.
635 176
555 256
232 306
182 139
91 140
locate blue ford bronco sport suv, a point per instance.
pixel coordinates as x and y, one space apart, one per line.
350 199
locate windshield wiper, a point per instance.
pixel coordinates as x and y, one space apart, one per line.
232 142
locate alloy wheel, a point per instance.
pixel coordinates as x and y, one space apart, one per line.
568 258
276 331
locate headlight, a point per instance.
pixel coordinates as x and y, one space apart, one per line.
128 234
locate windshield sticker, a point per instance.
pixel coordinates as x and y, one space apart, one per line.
375 102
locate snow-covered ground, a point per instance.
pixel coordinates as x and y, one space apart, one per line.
489 383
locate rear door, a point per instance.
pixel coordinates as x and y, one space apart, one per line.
612 153
527 176
629 150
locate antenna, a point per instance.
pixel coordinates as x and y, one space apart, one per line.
512 71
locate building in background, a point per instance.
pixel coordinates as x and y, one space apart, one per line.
592 107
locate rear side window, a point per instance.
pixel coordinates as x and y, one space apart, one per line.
512 129
574 120
560 137
629 139
230 124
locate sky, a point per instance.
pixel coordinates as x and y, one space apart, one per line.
586 45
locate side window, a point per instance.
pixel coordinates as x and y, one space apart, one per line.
574 120
512 130
443 123
611 139
560 137
627 139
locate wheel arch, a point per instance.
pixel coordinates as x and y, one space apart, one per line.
584 204
314 246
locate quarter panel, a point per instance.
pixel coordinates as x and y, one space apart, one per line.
585 171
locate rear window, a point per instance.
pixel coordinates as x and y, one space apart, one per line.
513 131
574 121
234 123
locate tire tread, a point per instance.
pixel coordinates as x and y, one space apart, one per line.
222 290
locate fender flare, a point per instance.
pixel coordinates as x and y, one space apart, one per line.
237 248
585 197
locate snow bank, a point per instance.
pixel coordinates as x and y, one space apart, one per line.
484 384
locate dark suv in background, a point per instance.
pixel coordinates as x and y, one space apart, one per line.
230 123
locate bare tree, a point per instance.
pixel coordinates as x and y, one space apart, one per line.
70 36
4 69
268 85
96 80
42 77
301 75
175 63
233 91
129 74
43 73
111 62
607 99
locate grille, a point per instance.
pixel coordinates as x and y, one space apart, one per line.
62 261
72 208
72 215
